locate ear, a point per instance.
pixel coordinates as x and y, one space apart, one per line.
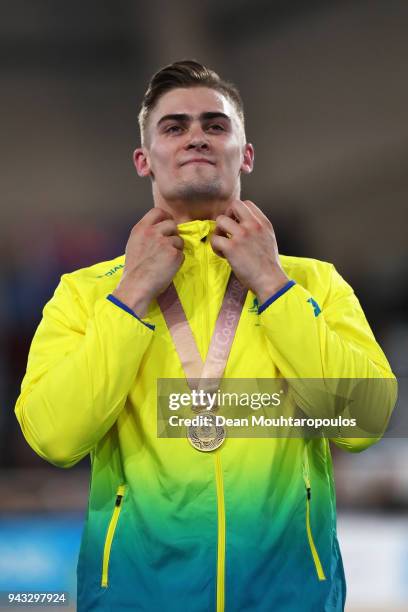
141 161
247 164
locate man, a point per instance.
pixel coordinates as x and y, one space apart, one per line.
250 525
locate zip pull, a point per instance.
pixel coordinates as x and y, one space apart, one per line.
308 493
120 492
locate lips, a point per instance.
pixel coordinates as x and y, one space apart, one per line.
198 160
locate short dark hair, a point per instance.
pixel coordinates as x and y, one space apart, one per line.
185 73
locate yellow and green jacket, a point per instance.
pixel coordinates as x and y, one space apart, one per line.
248 527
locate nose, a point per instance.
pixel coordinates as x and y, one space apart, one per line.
200 144
197 139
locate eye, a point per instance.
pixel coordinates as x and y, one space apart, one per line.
173 129
217 127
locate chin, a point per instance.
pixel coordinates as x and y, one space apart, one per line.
199 191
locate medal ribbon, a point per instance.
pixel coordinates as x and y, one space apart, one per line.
221 340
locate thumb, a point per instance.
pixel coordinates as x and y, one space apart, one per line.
216 244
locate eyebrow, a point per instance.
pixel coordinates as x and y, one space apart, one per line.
183 117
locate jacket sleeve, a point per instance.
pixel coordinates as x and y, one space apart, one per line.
333 340
80 369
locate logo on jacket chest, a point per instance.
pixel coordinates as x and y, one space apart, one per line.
254 309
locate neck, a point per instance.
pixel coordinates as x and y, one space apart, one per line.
183 211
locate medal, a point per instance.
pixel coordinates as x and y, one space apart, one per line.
207 437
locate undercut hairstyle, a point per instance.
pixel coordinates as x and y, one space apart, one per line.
185 73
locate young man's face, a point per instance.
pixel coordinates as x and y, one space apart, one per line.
195 146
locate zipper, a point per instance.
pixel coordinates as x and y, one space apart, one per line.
110 534
313 549
219 481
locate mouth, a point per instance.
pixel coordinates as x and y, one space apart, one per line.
198 160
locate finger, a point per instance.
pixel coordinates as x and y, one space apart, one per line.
155 215
177 242
226 225
239 210
168 227
252 215
256 211
218 244
230 213
219 232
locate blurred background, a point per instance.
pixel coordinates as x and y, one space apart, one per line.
326 97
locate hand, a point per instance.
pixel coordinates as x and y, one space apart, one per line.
154 253
245 237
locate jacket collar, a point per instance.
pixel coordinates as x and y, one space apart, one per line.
194 231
